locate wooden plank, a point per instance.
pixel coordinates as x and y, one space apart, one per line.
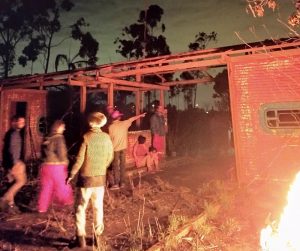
189 82
132 84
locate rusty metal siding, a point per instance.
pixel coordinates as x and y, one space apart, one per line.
255 82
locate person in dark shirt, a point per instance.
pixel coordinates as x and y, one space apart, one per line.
13 159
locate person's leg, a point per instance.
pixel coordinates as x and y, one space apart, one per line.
83 200
97 202
116 168
122 167
18 172
46 188
63 192
149 163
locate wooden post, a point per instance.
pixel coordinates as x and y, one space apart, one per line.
82 99
138 106
161 98
110 95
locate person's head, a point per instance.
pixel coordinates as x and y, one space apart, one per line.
116 115
152 149
96 120
58 126
18 122
159 109
141 139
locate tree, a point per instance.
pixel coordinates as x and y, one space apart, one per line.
140 40
190 91
14 28
221 88
45 15
257 9
87 51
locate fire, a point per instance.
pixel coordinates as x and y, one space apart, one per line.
285 237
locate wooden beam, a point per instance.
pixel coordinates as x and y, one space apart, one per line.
189 82
132 84
170 67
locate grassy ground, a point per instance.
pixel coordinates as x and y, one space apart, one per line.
151 209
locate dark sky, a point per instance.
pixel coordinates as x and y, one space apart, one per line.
183 20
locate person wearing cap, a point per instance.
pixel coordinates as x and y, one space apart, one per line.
94 157
158 128
118 132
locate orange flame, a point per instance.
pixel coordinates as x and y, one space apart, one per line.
285 237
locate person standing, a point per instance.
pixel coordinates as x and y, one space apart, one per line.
118 131
54 170
13 159
158 128
94 157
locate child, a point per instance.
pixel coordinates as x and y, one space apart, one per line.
144 155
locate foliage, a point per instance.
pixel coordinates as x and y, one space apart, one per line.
44 23
14 28
87 51
143 39
202 40
221 88
257 9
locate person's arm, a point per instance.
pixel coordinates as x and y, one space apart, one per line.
79 161
110 149
136 117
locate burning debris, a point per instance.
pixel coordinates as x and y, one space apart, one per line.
285 234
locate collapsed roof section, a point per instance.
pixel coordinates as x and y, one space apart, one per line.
129 75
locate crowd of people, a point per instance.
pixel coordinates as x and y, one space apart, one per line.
99 152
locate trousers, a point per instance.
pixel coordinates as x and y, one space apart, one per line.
18 175
96 195
53 186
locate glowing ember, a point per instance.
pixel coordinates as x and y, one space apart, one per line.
285 237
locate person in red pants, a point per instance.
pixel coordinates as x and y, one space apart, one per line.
53 173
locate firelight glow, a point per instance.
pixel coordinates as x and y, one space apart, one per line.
285 237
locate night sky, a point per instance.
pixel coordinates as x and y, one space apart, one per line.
183 20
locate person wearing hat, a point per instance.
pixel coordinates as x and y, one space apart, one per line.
93 159
118 132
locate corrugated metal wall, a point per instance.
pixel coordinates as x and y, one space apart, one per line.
254 82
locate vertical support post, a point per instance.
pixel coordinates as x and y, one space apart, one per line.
110 94
138 106
82 99
138 100
161 98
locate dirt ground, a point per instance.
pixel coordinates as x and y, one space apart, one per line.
144 212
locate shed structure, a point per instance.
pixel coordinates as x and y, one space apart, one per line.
264 96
